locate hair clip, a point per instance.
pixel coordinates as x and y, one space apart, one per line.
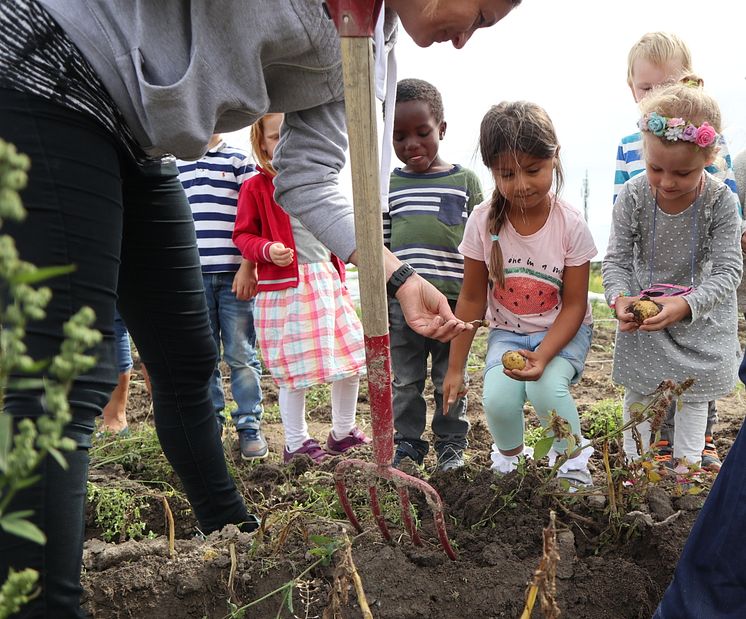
495 237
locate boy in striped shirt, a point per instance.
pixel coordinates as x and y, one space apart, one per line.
429 202
211 185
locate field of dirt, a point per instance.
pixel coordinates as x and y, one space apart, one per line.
613 562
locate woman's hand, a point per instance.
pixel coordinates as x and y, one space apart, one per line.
455 387
280 255
534 369
427 311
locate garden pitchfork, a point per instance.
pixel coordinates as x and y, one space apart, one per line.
355 21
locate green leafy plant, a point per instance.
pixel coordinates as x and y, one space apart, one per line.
604 417
22 301
118 511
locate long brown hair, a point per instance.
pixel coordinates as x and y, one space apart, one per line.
514 127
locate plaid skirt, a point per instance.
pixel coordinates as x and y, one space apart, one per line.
310 334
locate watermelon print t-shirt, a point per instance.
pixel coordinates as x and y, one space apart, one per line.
533 266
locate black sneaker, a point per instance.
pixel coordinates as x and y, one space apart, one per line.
251 442
449 457
406 451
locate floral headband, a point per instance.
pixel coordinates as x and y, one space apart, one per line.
678 129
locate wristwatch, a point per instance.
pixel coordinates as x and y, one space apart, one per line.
398 277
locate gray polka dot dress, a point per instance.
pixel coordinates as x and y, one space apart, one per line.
704 347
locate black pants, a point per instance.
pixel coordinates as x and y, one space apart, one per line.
128 230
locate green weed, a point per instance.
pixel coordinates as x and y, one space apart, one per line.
117 512
140 454
603 418
318 396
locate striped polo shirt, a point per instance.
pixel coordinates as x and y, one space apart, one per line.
426 220
630 162
211 184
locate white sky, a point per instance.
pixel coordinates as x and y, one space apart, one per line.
573 62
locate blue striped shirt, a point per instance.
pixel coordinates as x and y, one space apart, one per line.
211 185
630 162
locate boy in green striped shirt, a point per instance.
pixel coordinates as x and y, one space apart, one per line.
429 202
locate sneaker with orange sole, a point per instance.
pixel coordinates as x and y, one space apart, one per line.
663 454
710 459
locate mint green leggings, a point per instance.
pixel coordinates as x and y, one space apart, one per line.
503 400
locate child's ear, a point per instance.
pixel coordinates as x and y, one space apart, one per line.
442 129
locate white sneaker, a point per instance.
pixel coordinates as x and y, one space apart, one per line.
574 470
504 464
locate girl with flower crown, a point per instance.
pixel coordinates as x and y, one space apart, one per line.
526 264
675 237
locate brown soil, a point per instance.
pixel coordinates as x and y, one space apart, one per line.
609 567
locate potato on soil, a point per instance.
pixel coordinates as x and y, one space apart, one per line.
513 360
643 309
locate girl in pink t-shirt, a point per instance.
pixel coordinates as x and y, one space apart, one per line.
526 265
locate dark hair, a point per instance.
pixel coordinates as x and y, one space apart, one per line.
419 90
514 127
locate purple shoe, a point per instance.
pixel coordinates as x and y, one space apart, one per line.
354 439
311 448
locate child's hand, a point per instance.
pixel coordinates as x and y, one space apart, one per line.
454 388
244 282
280 255
673 310
535 365
625 317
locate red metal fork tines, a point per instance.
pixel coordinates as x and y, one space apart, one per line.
379 394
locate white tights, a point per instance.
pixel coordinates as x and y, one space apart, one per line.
344 406
689 428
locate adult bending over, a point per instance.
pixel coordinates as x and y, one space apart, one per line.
97 93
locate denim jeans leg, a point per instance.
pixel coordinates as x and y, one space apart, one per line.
409 368
239 352
212 292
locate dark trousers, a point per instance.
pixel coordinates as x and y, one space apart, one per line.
710 580
128 230
409 356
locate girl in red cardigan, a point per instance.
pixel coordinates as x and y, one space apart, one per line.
305 320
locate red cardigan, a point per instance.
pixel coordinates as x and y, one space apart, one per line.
260 221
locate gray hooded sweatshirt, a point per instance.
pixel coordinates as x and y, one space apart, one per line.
180 71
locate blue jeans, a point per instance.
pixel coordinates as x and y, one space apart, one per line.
232 324
575 351
122 344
